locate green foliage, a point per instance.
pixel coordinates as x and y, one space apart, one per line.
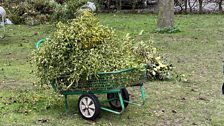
17 13
155 65
82 48
73 5
60 12
30 12
34 12
67 9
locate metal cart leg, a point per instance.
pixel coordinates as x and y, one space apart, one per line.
143 94
143 99
122 106
121 101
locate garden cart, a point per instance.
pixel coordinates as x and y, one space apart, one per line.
113 84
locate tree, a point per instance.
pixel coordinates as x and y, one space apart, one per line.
220 5
166 14
118 4
134 2
185 6
200 6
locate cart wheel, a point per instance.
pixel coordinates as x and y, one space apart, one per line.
89 106
116 102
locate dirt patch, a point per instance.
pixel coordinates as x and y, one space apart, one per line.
15 85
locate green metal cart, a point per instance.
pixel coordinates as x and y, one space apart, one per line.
89 105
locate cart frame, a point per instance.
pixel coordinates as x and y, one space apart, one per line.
118 91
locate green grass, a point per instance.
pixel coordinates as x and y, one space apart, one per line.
196 51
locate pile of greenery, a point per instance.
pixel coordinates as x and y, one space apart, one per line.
80 49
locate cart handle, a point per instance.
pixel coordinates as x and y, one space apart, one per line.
40 42
124 70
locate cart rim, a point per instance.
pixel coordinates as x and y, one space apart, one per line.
87 107
116 101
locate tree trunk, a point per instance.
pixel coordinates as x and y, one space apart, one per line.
134 2
185 6
200 6
190 7
118 4
220 5
166 14
108 4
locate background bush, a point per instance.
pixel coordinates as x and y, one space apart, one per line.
34 12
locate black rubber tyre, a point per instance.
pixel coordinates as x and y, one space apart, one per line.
89 106
116 103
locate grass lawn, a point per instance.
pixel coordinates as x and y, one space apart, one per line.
197 52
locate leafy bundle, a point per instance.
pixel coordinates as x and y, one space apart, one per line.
156 68
80 49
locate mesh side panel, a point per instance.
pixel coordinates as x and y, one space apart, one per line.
111 81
